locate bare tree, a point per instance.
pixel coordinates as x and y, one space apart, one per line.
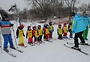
83 7
48 8
71 4
2 11
89 7
23 14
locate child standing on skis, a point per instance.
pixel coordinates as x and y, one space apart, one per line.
5 25
29 35
51 29
40 33
65 30
44 30
59 31
70 30
46 33
35 34
20 35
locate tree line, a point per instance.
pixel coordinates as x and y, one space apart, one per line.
44 9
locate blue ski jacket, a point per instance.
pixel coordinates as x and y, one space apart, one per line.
86 20
78 24
5 27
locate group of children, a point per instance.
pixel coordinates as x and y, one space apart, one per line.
63 30
34 34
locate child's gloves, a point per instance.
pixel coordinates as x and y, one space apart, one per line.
16 36
24 35
11 25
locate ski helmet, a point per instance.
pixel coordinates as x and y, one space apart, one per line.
21 26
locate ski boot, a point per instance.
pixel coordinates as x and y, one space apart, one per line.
6 50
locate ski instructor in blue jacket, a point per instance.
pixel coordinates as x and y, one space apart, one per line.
5 25
78 28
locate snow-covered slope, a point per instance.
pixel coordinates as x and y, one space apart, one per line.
46 52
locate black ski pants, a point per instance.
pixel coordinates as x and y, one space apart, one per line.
78 35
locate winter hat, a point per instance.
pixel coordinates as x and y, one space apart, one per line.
72 14
64 24
84 13
46 26
50 23
39 26
29 27
21 26
34 27
5 16
59 25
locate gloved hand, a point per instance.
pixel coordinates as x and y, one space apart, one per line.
11 25
16 36
50 31
24 35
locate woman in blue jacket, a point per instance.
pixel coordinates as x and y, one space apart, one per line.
78 28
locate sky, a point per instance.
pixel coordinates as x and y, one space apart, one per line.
6 4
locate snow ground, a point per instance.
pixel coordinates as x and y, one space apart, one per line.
46 52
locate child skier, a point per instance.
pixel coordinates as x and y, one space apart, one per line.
51 29
70 30
29 35
65 31
35 34
59 31
44 30
46 33
20 35
5 25
40 33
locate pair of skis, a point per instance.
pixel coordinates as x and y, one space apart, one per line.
32 44
10 54
76 49
13 55
24 46
79 43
